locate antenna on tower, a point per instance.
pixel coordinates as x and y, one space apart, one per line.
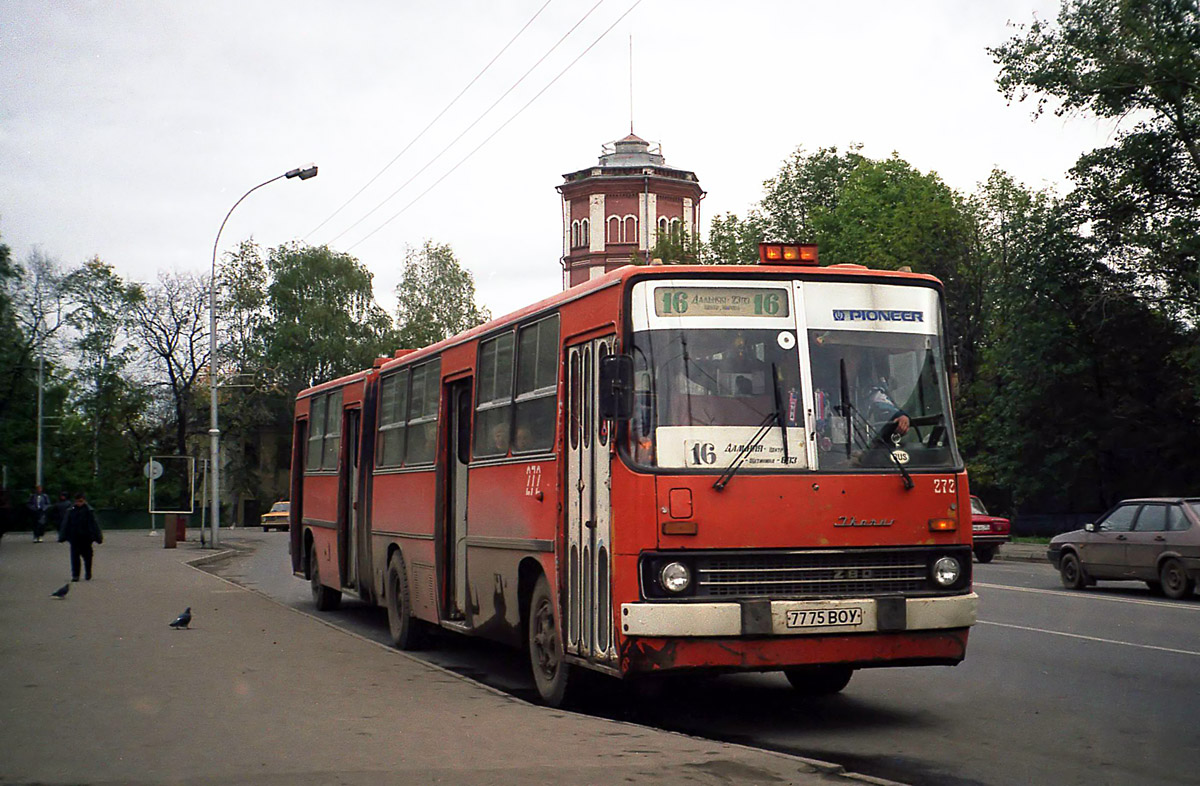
631 83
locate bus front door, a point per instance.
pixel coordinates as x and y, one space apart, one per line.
348 548
589 597
459 435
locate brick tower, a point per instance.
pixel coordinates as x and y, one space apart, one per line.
613 211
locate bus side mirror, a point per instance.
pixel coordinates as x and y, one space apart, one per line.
616 387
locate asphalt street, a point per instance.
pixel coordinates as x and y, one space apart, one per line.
1059 687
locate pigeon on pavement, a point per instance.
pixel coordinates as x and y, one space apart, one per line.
62 591
183 620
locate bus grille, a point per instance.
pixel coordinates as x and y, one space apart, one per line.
810 574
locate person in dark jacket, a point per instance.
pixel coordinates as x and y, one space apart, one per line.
80 529
39 506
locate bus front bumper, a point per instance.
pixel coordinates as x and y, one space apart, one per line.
798 618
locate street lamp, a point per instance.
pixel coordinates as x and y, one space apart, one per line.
304 173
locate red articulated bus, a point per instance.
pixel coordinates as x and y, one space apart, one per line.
668 468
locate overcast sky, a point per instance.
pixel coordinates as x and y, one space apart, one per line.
128 130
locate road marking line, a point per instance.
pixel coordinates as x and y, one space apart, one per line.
1162 604
1091 638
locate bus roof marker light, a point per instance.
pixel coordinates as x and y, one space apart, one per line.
787 253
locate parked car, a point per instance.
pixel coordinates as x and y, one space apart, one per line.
1152 540
276 517
988 531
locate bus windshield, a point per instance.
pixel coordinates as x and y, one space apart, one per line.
845 399
879 399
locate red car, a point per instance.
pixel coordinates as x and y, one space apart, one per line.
988 531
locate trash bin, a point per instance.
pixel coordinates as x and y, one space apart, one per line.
181 523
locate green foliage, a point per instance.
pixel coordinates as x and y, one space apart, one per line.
104 400
323 321
732 241
678 247
1077 403
1138 61
436 297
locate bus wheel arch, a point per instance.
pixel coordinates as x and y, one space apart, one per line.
406 632
325 598
307 552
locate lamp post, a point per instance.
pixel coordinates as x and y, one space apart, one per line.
214 433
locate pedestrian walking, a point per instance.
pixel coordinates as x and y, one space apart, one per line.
80 529
39 506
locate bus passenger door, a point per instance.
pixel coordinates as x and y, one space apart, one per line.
348 548
589 597
459 436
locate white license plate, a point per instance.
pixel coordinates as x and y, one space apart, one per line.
824 618
981 528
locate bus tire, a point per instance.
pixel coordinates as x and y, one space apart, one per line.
405 632
324 598
819 680
551 672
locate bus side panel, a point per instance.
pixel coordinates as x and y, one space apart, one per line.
403 506
506 523
635 529
324 545
320 520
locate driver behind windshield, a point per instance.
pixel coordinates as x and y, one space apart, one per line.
851 387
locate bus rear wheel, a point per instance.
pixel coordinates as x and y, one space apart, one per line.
324 598
819 680
551 672
406 632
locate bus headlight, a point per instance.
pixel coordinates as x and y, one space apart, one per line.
674 577
946 571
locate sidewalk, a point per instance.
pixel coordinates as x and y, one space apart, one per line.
97 689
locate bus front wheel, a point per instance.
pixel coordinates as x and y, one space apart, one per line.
324 598
819 680
406 632
551 672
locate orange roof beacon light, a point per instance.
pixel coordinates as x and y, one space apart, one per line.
787 253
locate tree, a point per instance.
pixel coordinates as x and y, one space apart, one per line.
1137 60
17 382
104 396
1077 402
678 247
322 319
242 309
170 323
436 297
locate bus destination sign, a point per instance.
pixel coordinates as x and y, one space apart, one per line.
720 302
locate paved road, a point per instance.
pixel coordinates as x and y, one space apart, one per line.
1095 687
96 689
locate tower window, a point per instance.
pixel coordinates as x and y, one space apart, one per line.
584 235
629 229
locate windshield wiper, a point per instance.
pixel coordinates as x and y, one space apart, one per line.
746 450
895 445
779 413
